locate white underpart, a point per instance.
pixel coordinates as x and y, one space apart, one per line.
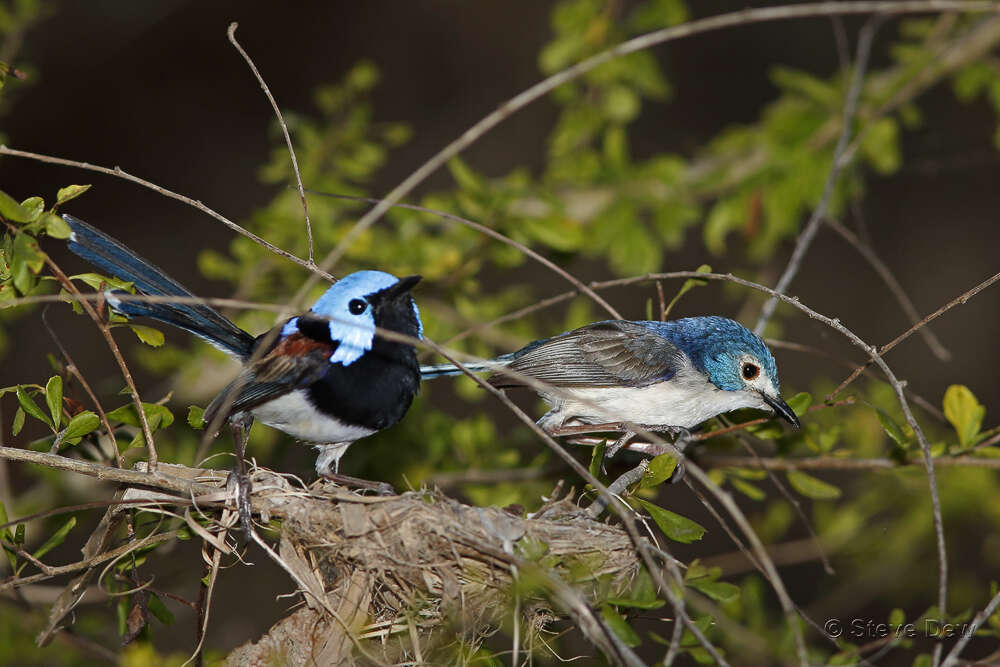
295 415
686 400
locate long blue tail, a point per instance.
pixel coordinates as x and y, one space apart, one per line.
443 370
112 257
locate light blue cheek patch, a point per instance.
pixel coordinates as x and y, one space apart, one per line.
354 339
291 327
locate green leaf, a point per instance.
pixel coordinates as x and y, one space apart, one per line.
3 520
158 416
812 487
54 399
892 428
55 226
159 610
18 423
56 539
620 626
196 417
987 452
597 458
96 280
13 211
674 526
70 192
660 469
720 591
897 617
688 285
34 206
747 489
964 412
800 402
80 425
31 407
27 261
148 335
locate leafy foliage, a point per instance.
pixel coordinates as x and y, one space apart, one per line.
591 201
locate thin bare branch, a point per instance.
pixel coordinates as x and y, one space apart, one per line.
865 39
231 33
120 173
890 281
959 300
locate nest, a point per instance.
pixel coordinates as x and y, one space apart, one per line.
423 577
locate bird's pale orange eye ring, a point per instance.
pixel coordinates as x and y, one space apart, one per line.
750 371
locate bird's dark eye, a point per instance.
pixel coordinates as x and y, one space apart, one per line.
750 371
357 306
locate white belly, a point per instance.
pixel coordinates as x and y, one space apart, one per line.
673 403
293 414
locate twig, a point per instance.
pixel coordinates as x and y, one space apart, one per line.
492 233
890 281
120 173
839 463
542 88
977 622
105 330
961 299
75 371
865 39
231 33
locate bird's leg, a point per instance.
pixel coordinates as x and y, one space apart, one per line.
682 440
241 427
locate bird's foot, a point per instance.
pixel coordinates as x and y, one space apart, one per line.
379 488
240 486
682 440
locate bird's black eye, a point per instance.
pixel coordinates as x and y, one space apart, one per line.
750 371
357 306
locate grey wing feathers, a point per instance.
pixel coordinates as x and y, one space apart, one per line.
604 354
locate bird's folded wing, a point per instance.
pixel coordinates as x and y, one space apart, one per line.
605 354
295 362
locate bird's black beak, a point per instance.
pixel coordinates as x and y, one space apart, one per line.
403 286
781 409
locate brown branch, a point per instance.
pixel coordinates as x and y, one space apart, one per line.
880 267
231 33
105 330
120 173
959 300
839 463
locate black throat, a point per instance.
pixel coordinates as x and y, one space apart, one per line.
376 390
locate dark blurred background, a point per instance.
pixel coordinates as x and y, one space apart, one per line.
157 89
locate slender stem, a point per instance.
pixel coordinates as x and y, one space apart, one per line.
231 32
805 239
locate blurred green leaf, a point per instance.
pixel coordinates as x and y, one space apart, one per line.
720 591
964 412
892 428
148 335
18 422
156 415
54 399
620 626
56 538
688 285
811 487
597 459
196 417
747 489
674 526
159 610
